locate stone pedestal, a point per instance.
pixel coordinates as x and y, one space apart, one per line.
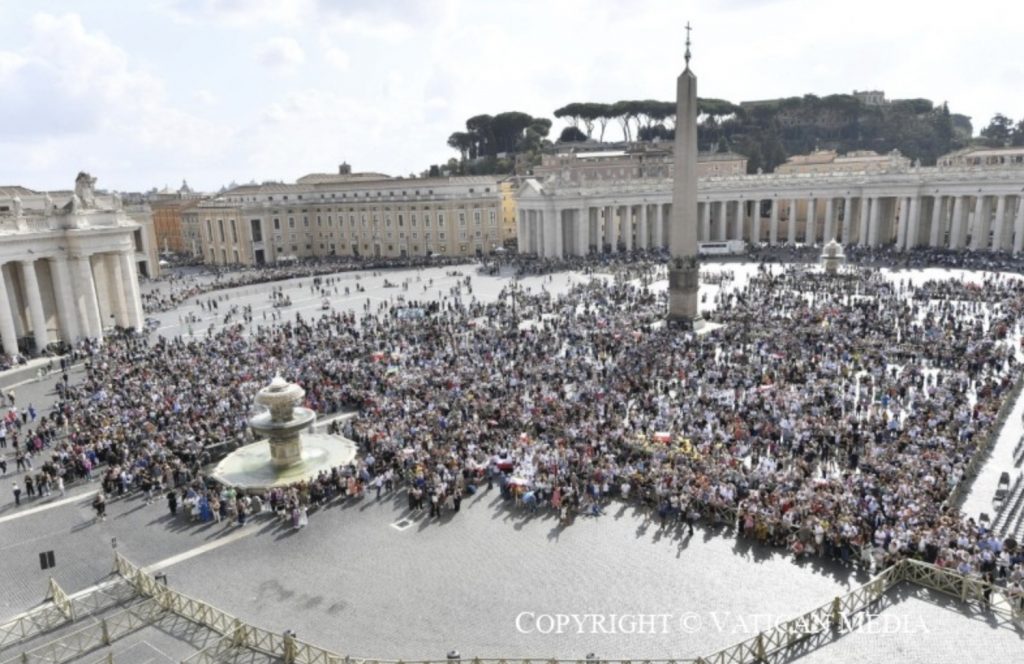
683 278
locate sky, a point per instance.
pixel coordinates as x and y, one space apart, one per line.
146 93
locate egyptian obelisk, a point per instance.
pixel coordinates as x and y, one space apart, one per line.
682 266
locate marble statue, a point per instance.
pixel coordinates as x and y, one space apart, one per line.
16 207
85 185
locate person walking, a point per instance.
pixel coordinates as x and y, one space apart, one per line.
99 503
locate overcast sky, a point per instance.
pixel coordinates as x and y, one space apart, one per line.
143 93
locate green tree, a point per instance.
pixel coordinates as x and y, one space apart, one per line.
998 132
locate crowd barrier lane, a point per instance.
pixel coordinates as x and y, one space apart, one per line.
99 634
841 611
983 451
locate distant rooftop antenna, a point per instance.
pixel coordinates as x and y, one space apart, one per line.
687 56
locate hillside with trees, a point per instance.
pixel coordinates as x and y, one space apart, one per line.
766 132
491 143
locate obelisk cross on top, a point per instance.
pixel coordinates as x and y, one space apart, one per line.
687 55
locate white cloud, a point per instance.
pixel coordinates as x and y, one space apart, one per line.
281 54
337 58
74 99
240 13
205 97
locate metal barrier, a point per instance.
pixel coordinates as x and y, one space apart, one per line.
824 620
61 600
97 635
835 614
31 624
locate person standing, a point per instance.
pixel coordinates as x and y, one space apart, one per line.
172 502
17 494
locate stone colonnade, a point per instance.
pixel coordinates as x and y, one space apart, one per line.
552 226
67 297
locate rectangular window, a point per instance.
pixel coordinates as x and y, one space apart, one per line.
462 218
234 233
220 226
476 217
257 230
492 218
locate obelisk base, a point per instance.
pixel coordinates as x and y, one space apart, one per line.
682 294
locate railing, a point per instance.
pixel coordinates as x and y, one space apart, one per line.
971 590
61 600
212 654
31 624
823 621
837 613
97 635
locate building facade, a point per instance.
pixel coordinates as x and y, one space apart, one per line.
68 270
348 215
955 207
984 157
857 161
631 162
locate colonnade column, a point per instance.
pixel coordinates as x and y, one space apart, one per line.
873 221
521 231
115 289
611 235
862 224
938 229
627 226
913 224
65 299
659 226
582 230
643 236
88 305
741 219
1018 227
35 304
999 233
901 223
723 221
773 224
705 225
811 227
791 230
980 231
755 224
847 227
829 231
957 231
133 303
8 334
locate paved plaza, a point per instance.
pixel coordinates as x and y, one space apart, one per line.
368 578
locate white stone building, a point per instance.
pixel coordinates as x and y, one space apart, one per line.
68 267
348 214
976 207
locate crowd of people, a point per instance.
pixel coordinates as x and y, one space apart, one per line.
832 416
181 288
